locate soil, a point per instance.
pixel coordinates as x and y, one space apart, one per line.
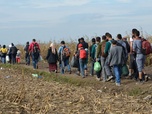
23 94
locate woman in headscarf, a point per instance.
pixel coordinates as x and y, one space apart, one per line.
52 58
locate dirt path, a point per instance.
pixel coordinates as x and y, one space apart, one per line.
127 84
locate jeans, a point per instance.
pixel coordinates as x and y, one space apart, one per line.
34 61
27 58
107 68
64 64
92 68
117 72
104 76
83 66
3 59
140 59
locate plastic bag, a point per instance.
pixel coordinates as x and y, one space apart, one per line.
97 66
74 62
125 70
7 58
40 58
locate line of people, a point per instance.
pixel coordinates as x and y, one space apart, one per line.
111 54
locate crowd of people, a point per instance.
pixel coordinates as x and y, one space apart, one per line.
113 55
11 54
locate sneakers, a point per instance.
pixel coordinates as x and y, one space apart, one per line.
77 73
37 66
91 74
70 72
139 82
117 84
110 77
98 79
55 71
146 78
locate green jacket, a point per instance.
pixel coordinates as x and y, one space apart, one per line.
93 51
107 47
98 50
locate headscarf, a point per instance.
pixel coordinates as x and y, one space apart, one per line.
52 45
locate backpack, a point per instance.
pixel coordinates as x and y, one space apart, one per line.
26 49
124 49
128 46
35 48
83 54
103 45
36 51
146 47
65 53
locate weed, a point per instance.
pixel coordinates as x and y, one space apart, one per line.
135 91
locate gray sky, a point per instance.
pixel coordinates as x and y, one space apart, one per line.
48 20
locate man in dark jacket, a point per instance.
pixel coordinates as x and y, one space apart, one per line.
85 44
27 54
13 52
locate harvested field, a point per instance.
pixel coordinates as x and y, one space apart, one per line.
20 93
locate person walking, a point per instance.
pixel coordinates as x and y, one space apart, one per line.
116 59
83 56
106 51
92 55
98 56
18 56
64 56
137 48
3 51
34 50
103 58
27 54
13 52
52 58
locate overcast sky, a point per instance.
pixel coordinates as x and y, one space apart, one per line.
45 20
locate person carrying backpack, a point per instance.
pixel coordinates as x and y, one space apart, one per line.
116 59
121 43
34 50
133 71
27 54
83 56
103 57
140 57
64 56
107 68
127 44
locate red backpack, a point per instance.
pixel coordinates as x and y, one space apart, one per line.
83 54
146 47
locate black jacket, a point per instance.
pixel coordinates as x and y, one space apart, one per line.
51 57
13 50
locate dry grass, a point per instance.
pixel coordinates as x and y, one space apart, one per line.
23 94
